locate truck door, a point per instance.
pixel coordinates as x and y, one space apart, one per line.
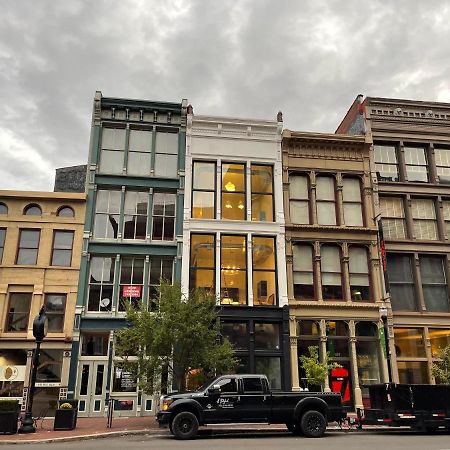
254 404
221 407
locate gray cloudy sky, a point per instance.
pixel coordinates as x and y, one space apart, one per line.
251 58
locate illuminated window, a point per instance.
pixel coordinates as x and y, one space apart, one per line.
202 262
262 193
439 339
325 201
299 199
264 271
233 270
203 190
233 191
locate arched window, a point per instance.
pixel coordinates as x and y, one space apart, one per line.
3 209
32 210
65 211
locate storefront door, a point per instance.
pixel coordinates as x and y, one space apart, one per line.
91 388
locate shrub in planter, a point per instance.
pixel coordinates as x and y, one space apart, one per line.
9 416
66 415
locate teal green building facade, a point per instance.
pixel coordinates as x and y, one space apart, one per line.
132 238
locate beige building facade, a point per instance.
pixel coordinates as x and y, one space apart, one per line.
411 174
40 248
333 262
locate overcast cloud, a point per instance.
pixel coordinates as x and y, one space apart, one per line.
248 58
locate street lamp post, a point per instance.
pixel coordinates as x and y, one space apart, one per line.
384 318
40 324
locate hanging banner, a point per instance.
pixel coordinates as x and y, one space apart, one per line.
12 373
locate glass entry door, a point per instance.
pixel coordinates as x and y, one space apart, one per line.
91 388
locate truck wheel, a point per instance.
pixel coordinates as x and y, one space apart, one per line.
313 424
185 425
294 428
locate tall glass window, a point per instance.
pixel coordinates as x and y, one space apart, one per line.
299 199
352 203
107 214
434 283
367 355
401 281
2 242
262 193
135 215
203 261
424 219
101 281
386 162
139 152
163 216
308 333
131 282
416 164
439 339
411 357
233 270
303 272
330 265
264 271
203 190
18 311
62 248
166 155
325 201
233 191
27 253
113 149
393 217
442 158
160 268
55 308
359 274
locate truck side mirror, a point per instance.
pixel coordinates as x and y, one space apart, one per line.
214 390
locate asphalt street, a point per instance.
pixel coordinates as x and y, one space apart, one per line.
336 440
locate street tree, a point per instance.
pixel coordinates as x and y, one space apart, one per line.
316 372
177 335
441 367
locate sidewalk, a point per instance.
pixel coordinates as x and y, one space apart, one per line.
87 428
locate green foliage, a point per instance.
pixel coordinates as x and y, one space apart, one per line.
9 406
316 371
181 334
441 369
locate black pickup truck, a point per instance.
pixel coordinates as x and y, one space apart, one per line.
248 399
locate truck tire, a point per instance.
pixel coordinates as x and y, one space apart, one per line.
313 424
294 428
185 425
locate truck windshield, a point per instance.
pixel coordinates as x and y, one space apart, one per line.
204 385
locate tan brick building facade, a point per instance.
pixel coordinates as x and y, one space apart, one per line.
40 250
333 264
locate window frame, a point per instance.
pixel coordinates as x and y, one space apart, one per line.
235 192
300 200
194 190
410 165
164 216
123 301
113 126
38 230
29 207
129 151
437 149
312 271
417 222
108 211
443 284
377 163
193 269
395 219
405 282
353 202
274 270
151 301
166 130
327 202
369 274
271 194
49 313
101 283
135 215
3 231
52 255
341 272
8 313
65 207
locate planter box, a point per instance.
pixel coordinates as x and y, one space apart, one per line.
8 422
65 419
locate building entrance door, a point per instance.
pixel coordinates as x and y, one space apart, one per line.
91 388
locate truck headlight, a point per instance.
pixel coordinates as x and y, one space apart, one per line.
166 403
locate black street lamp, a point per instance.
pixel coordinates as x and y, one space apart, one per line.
384 318
40 325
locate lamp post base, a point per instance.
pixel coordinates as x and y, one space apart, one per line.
27 424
